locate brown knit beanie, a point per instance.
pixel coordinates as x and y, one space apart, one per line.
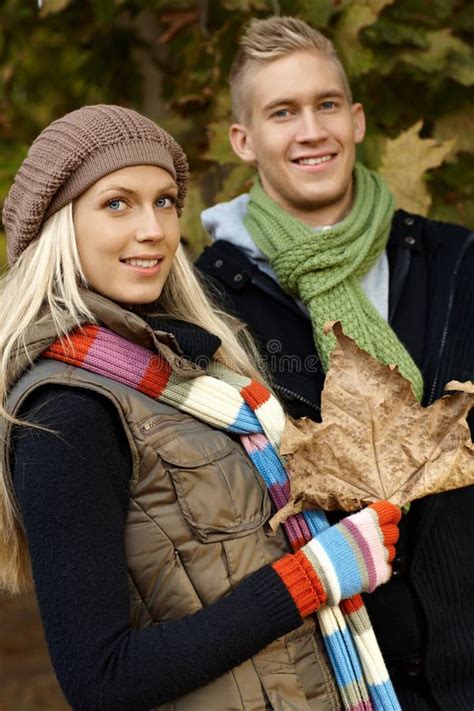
75 151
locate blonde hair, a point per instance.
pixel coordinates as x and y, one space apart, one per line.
263 42
46 281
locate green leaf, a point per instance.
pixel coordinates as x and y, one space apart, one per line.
464 20
452 187
12 157
387 32
220 149
191 227
444 54
420 13
318 12
407 59
239 180
458 125
357 58
371 150
104 10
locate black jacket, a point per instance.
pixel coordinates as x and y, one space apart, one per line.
424 617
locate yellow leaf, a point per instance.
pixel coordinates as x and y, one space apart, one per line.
403 165
49 7
375 440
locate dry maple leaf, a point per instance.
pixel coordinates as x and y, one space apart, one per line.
404 162
375 441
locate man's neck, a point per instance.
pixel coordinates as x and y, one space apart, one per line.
322 215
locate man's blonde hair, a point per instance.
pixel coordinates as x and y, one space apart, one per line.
267 40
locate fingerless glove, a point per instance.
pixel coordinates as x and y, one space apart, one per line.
350 557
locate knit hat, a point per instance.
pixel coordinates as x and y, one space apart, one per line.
75 151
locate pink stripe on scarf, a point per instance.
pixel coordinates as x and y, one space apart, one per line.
113 355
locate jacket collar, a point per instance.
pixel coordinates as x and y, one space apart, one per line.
407 231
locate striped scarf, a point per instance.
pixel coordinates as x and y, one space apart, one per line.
234 403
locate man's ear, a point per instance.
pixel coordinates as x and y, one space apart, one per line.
241 142
358 118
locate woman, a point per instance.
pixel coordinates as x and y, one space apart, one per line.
125 399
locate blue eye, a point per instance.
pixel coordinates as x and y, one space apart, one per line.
281 113
328 105
115 205
166 201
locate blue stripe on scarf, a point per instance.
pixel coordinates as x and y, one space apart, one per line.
383 696
346 666
269 465
245 422
317 521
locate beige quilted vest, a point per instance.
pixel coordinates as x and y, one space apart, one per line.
197 525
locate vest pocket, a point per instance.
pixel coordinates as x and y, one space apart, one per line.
219 491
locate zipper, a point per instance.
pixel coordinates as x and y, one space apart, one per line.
150 424
296 396
444 337
155 421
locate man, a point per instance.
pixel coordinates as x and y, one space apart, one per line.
316 239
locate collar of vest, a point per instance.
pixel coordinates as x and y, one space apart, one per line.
119 320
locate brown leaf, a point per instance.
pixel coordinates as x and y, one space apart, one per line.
376 441
404 162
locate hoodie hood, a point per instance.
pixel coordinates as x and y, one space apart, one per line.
226 221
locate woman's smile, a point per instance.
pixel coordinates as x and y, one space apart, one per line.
146 266
127 233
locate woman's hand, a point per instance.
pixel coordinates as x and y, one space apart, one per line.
350 557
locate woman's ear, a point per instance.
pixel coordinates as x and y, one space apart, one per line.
241 142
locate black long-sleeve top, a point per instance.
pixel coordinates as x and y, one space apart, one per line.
72 488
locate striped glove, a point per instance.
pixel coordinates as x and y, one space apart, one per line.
351 557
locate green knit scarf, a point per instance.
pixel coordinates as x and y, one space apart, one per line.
325 268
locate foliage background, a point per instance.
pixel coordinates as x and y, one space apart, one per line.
409 61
